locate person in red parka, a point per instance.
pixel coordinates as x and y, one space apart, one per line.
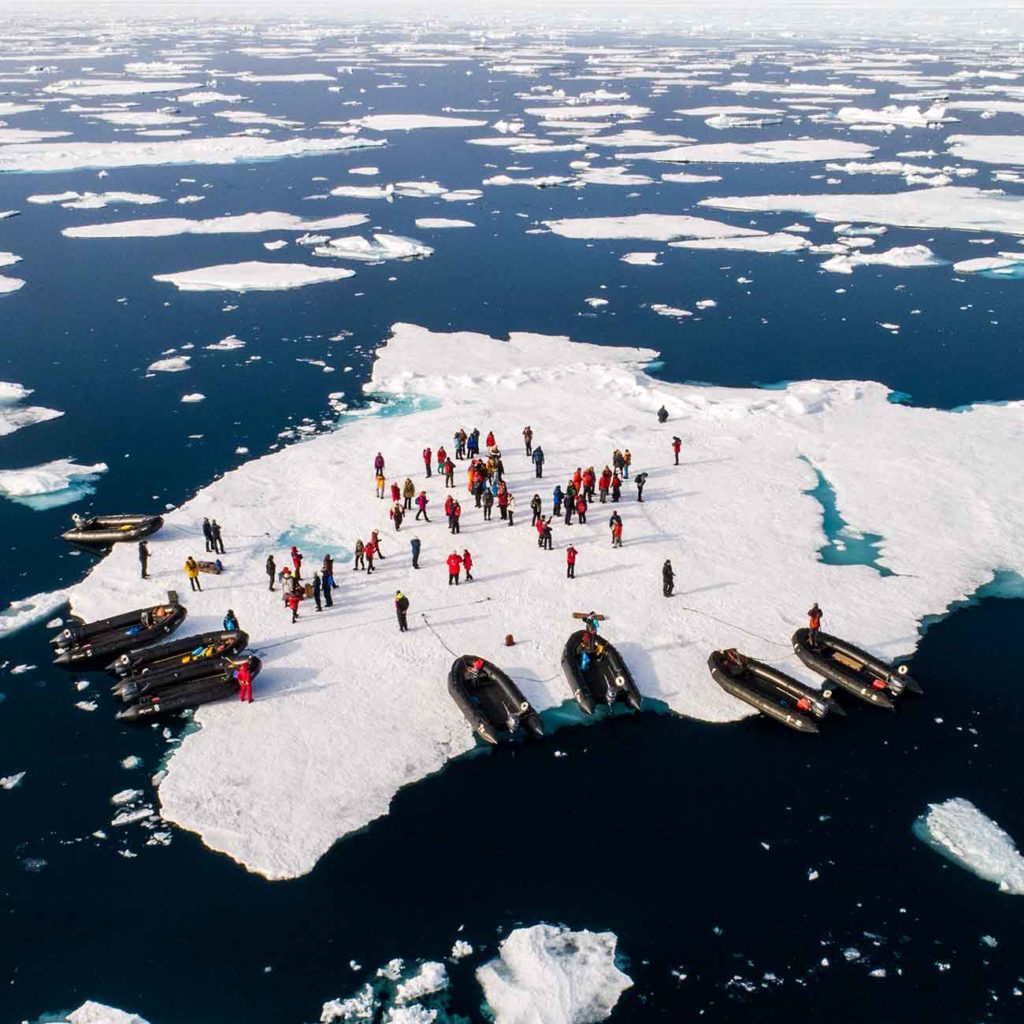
449 503
454 565
677 444
427 453
467 564
441 456
292 601
581 509
297 561
570 562
396 493
243 676
369 550
489 440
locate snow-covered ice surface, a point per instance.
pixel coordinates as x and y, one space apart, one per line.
380 247
658 227
412 122
26 611
961 832
71 156
97 1013
990 149
344 684
13 415
252 276
781 151
243 223
94 200
902 256
551 975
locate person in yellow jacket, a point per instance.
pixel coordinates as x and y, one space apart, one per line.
192 572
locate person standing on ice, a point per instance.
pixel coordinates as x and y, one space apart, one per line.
375 539
297 561
489 440
231 622
243 676
538 461
218 542
207 534
581 510
662 414
488 503
192 572
369 550
668 578
442 455
402 611
454 565
421 506
640 480
535 509
360 562
556 498
327 572
616 487
814 614
528 439
317 592
467 564
570 562
396 492
271 570
408 493
144 559
381 483
627 461
545 534
414 545
603 483
615 525
396 514
378 464
617 461
677 444
292 601
427 457
449 473
511 509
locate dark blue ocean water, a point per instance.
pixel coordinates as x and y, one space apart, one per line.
652 828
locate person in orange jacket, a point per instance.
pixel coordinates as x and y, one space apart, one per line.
454 566
814 614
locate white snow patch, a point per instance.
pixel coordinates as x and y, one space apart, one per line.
252 276
641 259
550 975
989 149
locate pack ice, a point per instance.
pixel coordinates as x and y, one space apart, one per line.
349 710
959 831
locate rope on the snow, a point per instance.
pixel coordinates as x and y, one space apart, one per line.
426 622
733 625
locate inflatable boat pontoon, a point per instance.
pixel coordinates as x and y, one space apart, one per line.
182 651
601 677
492 704
103 530
182 696
86 643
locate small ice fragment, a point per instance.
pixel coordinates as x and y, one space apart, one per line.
812 875
81 684
851 953
989 941
10 781
878 972
461 949
125 796
131 761
86 705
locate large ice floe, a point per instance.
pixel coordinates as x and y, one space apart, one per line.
53 483
959 831
91 1012
779 151
989 149
242 223
14 415
252 276
381 247
958 207
551 975
349 710
412 122
72 156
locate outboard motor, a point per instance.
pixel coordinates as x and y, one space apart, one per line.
896 682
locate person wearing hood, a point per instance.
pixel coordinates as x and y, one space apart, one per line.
231 622
668 578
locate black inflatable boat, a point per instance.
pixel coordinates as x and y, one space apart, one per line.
191 693
772 692
862 674
492 704
604 680
103 530
160 680
182 651
86 643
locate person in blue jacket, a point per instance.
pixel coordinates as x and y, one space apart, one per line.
556 497
231 621
538 460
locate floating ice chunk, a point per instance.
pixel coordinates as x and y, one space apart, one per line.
244 223
93 87
9 109
363 191
50 484
905 117
685 178
780 151
173 364
130 816
540 181
296 78
902 256
574 112
745 87
13 415
658 227
612 176
461 949
411 122
959 831
641 259
125 796
206 96
638 137
959 207
550 975
365 171
382 247
228 344
989 149
252 276
705 303
86 705
1009 264
392 970
275 245
674 311
437 223
193 397
94 200
724 121
10 284
462 195
10 781
361 1006
231 149
96 1013
420 189
131 761
596 303
731 110
431 977
779 242
28 610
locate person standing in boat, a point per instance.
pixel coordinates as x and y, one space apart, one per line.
668 578
271 570
402 611
814 614
192 572
144 559
207 534
570 562
218 543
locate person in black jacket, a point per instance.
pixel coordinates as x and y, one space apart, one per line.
538 460
640 479
668 578
402 611
535 509
271 569
317 591
144 559
218 544
208 535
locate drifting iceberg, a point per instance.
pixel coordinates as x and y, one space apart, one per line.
243 223
382 247
50 484
252 276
